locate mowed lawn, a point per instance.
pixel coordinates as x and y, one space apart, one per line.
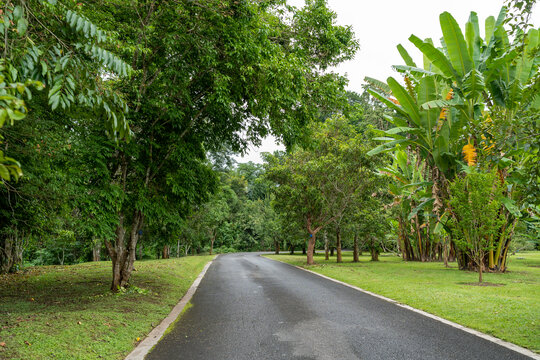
510 311
68 312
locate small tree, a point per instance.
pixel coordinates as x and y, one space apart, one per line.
474 204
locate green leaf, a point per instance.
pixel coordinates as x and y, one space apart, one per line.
382 98
17 12
405 100
473 84
3 115
385 147
439 226
401 129
489 28
510 205
22 25
4 173
421 72
426 93
405 55
435 56
455 43
422 205
378 84
472 34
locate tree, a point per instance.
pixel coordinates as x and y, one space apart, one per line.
204 75
476 219
316 186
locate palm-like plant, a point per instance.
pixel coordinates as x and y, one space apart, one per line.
465 88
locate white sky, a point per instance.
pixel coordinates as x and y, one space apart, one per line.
380 25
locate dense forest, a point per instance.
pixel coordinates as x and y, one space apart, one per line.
119 121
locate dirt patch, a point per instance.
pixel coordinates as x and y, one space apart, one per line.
481 284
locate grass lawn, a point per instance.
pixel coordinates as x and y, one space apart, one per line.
510 312
68 312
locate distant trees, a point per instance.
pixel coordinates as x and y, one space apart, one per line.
323 183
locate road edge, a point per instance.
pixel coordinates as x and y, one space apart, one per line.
156 334
487 337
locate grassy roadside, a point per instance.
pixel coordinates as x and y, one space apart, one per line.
67 312
509 311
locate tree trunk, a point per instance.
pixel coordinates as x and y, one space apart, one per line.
276 246
311 249
374 254
445 251
96 251
355 249
122 252
326 255
212 239
480 266
178 247
61 259
291 248
339 258
304 248
166 251
331 250
11 251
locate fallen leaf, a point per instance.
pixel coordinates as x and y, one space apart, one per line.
78 322
27 343
2 344
31 299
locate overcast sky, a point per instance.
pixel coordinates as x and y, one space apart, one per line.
380 25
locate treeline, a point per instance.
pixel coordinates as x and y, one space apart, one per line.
456 174
109 109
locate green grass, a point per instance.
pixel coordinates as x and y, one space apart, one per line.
510 312
68 312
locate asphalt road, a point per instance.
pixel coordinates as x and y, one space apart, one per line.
249 307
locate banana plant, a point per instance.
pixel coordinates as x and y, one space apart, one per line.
450 104
414 206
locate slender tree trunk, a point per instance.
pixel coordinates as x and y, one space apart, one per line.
141 251
178 247
304 248
276 246
331 251
291 248
212 239
326 254
61 259
480 268
356 258
166 251
339 257
96 251
311 249
374 254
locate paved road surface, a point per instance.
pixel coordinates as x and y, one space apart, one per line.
249 308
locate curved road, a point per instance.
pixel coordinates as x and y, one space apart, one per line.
249 307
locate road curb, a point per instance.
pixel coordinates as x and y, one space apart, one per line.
156 334
487 337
